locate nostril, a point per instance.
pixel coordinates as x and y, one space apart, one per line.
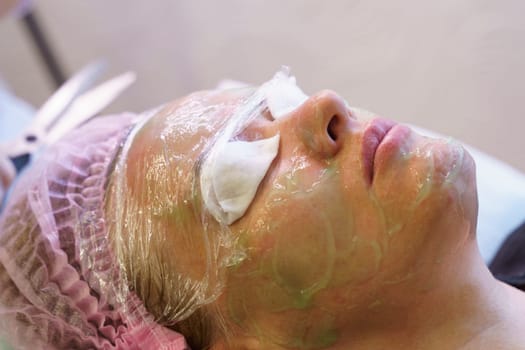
333 126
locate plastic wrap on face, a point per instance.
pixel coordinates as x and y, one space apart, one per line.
296 258
323 240
172 263
62 287
181 179
101 258
232 170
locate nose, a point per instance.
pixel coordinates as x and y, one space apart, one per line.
321 123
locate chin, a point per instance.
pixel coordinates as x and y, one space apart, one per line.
454 180
452 164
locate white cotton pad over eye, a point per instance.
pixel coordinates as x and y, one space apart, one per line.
230 178
283 95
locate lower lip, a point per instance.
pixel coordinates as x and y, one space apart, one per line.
390 145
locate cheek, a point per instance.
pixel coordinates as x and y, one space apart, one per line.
293 232
302 259
291 241
303 237
292 255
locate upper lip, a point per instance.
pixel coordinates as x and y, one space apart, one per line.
373 135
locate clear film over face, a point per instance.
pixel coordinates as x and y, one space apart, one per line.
296 210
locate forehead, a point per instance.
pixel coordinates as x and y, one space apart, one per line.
185 124
178 133
204 108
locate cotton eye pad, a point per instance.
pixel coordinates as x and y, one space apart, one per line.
283 95
230 178
233 170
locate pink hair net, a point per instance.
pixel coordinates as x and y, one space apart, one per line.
60 282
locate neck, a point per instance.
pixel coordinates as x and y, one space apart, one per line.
461 307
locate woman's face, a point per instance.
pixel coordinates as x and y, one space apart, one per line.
351 215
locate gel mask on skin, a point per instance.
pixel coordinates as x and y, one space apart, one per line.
233 170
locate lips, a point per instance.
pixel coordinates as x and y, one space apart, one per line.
374 133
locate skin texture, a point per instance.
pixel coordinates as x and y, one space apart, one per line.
334 252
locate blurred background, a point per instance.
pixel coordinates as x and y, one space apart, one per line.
456 67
